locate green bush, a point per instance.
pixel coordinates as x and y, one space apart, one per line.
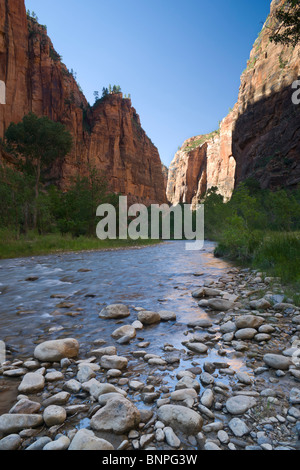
257 228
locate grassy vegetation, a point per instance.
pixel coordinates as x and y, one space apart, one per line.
258 229
204 138
37 217
33 244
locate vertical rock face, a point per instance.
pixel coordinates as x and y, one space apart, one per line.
266 137
13 60
108 135
260 137
203 162
165 171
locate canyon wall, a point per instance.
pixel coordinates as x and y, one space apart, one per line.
107 136
203 162
266 136
260 138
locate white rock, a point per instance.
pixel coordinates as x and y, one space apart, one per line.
221 305
206 378
244 378
137 325
32 382
180 395
188 382
11 442
136 385
72 386
113 362
238 427
85 439
96 388
107 351
119 415
171 438
240 404
85 373
246 333
62 443
14 423
207 398
125 330
159 435
148 318
277 361
249 321
54 415
223 436
115 311
228 327
209 445
198 348
181 418
39 444
260 304
166 315
295 396
53 376
53 351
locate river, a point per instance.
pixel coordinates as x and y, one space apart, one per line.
156 278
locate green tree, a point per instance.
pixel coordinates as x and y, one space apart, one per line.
105 92
287 29
283 210
96 95
38 142
116 89
75 209
17 196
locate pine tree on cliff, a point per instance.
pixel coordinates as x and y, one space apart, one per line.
96 95
38 142
287 31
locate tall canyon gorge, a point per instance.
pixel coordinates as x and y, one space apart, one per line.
260 137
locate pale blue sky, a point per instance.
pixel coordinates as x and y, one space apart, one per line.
181 60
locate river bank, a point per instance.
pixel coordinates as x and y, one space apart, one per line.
217 371
38 245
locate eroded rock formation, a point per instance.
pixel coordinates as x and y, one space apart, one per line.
203 162
108 135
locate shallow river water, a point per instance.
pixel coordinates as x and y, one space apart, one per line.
156 278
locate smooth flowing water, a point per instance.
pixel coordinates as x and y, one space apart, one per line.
155 278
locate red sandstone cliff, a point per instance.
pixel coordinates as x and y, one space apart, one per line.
108 135
260 138
203 162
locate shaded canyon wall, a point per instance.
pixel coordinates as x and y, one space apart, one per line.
259 138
